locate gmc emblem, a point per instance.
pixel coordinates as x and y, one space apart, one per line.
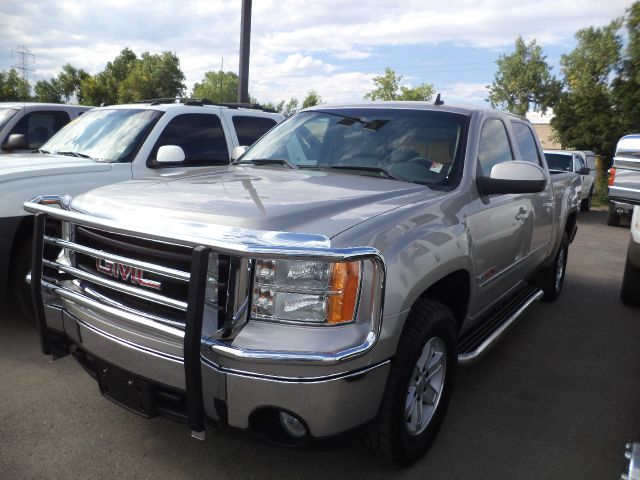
126 273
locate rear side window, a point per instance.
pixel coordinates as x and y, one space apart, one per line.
526 143
250 129
494 147
200 136
40 126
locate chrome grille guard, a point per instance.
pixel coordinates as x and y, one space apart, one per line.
232 241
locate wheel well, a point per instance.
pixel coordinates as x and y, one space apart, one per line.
571 222
453 291
24 231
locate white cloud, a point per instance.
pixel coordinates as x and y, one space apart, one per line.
297 45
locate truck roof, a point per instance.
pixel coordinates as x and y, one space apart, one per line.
463 109
42 104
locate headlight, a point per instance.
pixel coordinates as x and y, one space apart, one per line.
306 291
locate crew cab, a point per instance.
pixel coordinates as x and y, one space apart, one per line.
25 126
570 161
624 186
160 138
333 277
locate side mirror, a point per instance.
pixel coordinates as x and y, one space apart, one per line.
584 171
170 154
513 177
16 141
237 152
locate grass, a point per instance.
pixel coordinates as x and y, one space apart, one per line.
601 198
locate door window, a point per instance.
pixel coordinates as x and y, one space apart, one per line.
526 143
40 126
494 146
250 129
200 136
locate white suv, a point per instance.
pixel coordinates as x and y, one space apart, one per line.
26 126
161 138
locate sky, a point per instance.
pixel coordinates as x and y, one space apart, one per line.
333 47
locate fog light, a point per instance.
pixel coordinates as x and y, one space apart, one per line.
292 425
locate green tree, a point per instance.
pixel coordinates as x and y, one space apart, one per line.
584 117
153 76
290 107
104 86
48 91
276 107
221 87
387 87
13 87
311 99
523 80
626 86
70 80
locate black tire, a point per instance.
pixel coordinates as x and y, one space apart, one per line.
389 437
630 290
585 205
19 289
548 279
613 220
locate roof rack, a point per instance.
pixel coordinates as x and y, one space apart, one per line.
204 101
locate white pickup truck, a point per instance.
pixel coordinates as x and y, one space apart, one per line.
157 139
576 162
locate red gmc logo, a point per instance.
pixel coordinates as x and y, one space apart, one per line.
126 273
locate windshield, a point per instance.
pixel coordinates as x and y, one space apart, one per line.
5 116
104 135
558 161
418 146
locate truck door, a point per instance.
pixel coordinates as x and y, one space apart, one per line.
500 225
542 202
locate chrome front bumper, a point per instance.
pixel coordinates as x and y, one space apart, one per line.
328 405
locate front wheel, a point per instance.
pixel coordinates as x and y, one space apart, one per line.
20 289
419 386
630 290
585 204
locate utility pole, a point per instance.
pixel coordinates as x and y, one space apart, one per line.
245 44
24 55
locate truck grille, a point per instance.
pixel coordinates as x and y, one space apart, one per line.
145 277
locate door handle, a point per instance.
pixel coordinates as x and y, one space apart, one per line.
522 214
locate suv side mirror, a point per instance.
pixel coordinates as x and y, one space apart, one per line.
237 152
16 141
513 177
584 171
170 154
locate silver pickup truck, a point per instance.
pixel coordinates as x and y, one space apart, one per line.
624 186
334 277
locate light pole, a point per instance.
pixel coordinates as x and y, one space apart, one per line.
245 44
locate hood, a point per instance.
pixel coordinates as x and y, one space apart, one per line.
253 198
26 165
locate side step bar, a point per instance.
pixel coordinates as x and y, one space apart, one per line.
476 343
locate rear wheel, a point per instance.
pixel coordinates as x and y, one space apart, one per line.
585 204
630 290
551 278
613 220
418 387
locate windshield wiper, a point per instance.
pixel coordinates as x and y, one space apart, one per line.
386 173
268 161
39 150
73 154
